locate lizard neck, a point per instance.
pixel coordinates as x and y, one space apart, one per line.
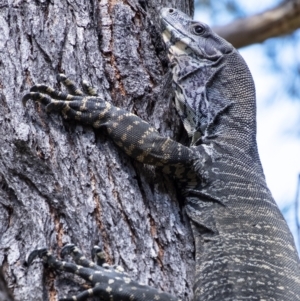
216 99
234 125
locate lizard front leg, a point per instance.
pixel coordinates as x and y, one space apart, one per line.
135 136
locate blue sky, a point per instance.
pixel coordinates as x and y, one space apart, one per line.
278 114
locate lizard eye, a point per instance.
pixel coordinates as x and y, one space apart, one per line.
198 29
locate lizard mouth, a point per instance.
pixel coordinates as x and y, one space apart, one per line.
166 25
177 32
178 41
178 17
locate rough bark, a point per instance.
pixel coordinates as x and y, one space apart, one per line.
281 20
5 294
63 182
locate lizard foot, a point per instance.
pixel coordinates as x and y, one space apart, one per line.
84 105
108 282
97 254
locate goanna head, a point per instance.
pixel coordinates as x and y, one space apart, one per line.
198 57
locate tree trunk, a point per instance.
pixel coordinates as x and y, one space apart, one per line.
63 182
5 294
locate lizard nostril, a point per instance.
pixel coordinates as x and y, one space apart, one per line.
171 10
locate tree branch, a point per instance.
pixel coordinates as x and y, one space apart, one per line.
281 20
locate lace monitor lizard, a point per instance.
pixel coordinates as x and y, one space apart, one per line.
244 249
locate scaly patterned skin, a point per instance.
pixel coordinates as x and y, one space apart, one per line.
244 249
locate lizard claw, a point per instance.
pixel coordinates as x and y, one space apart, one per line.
67 249
35 253
36 96
61 77
98 255
25 98
88 89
